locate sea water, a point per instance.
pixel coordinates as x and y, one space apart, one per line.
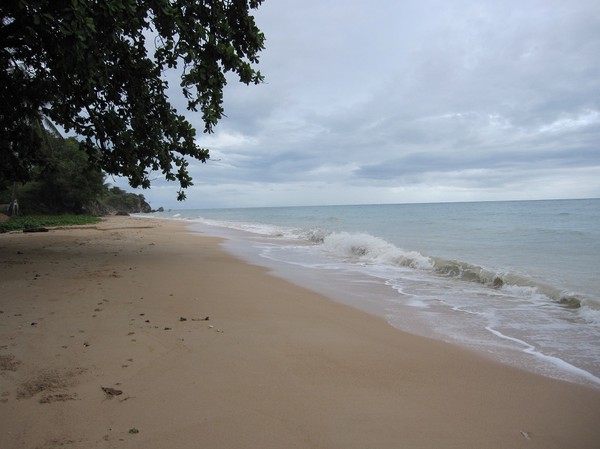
519 281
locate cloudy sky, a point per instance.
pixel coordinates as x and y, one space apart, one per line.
387 101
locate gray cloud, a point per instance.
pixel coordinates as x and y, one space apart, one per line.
388 101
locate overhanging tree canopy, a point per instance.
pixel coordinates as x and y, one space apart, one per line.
98 68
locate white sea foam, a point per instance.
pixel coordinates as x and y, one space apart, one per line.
523 290
260 229
558 362
590 312
367 248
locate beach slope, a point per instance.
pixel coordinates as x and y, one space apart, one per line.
135 333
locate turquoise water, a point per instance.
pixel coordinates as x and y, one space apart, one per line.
519 281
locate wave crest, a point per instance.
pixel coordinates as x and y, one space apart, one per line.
468 272
368 249
365 248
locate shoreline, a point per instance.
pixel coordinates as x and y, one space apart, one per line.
358 290
124 305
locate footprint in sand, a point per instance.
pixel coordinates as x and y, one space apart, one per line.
52 384
8 362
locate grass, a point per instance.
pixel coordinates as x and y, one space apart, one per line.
36 221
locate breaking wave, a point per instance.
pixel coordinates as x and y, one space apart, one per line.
368 249
362 248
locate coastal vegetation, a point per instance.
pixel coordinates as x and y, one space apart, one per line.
67 182
98 70
37 222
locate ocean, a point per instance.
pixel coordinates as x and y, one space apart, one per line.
518 281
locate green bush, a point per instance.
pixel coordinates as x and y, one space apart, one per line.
68 182
36 221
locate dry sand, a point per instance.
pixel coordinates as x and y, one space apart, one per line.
137 334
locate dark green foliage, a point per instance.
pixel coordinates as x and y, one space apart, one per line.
36 221
68 179
67 182
97 68
122 201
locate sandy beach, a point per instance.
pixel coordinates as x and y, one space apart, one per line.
135 333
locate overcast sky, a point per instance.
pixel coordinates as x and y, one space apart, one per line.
387 101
